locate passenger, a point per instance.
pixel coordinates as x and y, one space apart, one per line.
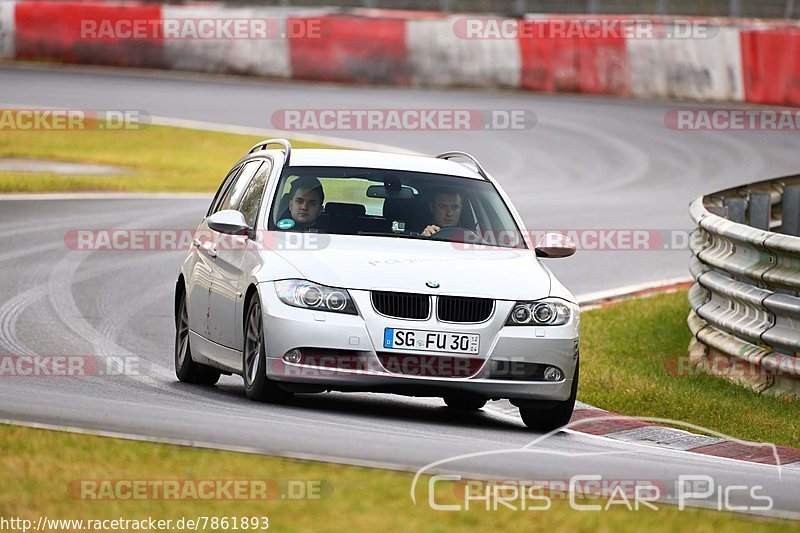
445 207
305 202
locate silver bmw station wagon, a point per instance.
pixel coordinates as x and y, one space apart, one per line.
348 270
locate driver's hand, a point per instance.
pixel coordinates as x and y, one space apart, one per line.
430 230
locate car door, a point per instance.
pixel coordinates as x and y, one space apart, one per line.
228 277
200 271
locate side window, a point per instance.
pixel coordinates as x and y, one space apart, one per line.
251 199
234 194
226 183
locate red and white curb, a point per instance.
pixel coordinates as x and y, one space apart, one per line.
588 420
605 298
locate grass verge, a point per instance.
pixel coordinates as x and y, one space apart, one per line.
629 352
39 466
158 158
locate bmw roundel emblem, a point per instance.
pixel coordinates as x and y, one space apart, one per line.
432 284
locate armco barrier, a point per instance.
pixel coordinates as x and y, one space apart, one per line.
745 317
353 49
441 58
738 60
262 57
694 69
52 31
771 60
573 64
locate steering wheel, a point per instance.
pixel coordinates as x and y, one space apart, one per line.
446 234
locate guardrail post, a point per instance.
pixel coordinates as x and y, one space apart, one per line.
736 209
790 206
759 210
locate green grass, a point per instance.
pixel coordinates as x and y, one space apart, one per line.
37 467
160 159
627 352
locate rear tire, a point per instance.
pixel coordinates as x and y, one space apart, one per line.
549 416
463 402
187 370
257 385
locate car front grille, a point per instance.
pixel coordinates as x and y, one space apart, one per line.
461 309
402 304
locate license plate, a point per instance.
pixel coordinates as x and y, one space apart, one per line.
431 341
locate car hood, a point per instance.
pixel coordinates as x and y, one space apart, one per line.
400 264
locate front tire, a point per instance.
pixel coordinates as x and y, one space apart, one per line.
187 370
551 415
257 386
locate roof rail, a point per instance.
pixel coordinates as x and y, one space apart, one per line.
287 147
450 155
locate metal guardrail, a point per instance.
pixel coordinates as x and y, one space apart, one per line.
745 317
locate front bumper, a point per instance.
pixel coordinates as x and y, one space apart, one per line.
289 328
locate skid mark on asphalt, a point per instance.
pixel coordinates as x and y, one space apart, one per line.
60 295
118 310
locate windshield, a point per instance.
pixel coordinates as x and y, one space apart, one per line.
392 203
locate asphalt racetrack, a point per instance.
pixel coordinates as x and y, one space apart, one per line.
588 163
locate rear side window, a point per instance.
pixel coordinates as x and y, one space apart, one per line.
223 188
235 193
251 199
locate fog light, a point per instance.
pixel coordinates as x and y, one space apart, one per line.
293 356
552 373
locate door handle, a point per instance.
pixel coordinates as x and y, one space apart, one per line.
196 243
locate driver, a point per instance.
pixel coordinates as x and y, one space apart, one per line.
446 208
305 202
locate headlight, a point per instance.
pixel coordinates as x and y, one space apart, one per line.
309 295
539 314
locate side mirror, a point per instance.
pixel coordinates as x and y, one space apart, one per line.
555 245
229 221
